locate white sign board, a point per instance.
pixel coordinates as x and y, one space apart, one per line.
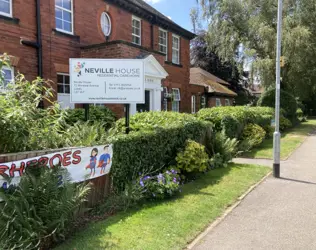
107 81
81 163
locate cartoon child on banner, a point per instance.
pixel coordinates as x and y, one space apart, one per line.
105 159
93 161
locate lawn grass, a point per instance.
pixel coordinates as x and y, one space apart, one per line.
289 142
171 224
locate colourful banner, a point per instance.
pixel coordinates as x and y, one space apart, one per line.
81 163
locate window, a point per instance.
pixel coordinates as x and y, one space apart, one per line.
105 24
175 49
136 30
63 86
227 102
193 104
218 102
176 100
6 8
64 16
8 74
203 102
163 42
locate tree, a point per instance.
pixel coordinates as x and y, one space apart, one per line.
202 56
253 23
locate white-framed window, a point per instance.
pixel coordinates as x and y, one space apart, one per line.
136 30
193 104
175 49
6 8
106 25
163 42
176 100
227 102
203 102
64 15
8 74
218 102
63 83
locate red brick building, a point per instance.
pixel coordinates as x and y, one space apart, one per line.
41 36
212 91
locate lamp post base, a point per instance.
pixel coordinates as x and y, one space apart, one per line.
276 170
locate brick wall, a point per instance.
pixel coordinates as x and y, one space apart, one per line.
59 47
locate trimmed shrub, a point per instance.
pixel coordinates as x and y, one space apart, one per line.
299 114
288 102
253 133
153 149
285 123
233 119
193 158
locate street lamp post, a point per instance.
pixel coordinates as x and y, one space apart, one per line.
277 135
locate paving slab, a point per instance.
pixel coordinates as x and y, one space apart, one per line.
278 214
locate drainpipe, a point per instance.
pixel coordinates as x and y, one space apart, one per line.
38 44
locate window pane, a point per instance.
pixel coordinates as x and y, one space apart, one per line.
67 26
59 3
4 6
66 16
67 89
66 79
60 79
60 88
59 24
7 73
58 13
67 4
136 40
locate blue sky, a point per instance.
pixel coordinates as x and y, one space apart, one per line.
178 10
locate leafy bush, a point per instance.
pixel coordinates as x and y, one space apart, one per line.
288 102
193 158
151 150
40 209
269 131
231 120
96 114
285 123
299 114
160 186
253 133
153 120
231 127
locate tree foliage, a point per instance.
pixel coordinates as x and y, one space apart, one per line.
253 23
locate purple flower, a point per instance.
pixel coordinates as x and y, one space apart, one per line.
175 180
167 172
141 183
146 178
173 171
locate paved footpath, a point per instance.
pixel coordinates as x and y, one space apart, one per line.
278 214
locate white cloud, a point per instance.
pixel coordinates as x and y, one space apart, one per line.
152 1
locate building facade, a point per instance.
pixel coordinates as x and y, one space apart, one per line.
40 36
209 91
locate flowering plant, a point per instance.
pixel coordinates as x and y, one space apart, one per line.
161 186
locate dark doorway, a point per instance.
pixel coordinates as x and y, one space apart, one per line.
146 106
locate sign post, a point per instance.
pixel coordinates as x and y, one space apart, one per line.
107 81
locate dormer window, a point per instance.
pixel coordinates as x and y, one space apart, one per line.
106 24
136 31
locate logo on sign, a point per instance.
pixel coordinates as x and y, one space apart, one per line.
79 67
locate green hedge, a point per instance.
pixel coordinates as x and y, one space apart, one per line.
232 120
153 148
